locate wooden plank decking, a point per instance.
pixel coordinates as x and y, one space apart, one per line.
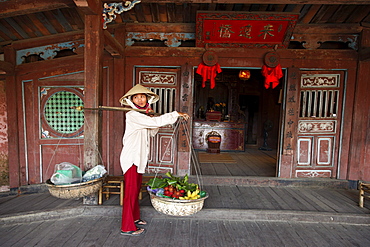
233 215
252 162
104 231
296 219
220 197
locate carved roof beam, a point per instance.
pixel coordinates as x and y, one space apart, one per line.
311 36
112 45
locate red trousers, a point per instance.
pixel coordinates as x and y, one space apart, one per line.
130 208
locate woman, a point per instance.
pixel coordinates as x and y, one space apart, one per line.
135 151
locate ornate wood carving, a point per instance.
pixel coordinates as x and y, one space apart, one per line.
170 39
153 77
111 9
48 52
320 80
317 126
313 173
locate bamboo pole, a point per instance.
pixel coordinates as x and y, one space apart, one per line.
114 108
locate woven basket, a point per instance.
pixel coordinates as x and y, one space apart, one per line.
78 190
176 207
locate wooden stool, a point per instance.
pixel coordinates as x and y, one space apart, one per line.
364 193
112 182
143 185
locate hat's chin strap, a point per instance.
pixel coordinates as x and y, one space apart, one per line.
151 99
130 103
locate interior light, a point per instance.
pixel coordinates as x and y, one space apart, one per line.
244 74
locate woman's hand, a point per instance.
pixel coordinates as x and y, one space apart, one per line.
185 116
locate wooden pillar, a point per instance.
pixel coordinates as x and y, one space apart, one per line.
93 80
290 118
120 88
359 157
15 169
186 105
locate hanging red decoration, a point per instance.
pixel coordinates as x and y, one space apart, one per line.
208 73
272 75
209 68
271 69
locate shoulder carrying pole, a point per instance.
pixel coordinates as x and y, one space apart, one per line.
115 108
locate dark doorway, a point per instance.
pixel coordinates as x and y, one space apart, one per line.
249 103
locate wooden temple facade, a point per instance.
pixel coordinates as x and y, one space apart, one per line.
57 56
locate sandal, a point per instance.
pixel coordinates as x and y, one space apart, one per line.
138 232
140 222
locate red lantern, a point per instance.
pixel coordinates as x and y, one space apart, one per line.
244 74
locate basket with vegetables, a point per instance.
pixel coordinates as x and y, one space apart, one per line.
175 196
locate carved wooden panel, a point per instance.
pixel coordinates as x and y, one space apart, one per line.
162 155
324 151
320 80
165 145
157 77
317 126
304 151
313 173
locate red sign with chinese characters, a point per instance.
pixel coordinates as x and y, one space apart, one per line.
244 29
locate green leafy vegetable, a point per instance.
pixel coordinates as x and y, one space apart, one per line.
181 183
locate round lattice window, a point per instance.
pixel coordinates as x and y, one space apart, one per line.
60 113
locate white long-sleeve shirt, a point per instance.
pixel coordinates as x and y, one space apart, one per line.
139 127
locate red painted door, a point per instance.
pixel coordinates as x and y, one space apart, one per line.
163 147
320 102
53 129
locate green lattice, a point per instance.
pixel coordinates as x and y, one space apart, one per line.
60 112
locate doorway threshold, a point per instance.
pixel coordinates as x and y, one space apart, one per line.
274 182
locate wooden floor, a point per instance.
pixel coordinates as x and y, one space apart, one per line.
252 162
220 197
233 215
298 219
183 232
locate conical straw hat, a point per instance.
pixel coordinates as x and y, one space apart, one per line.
138 89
